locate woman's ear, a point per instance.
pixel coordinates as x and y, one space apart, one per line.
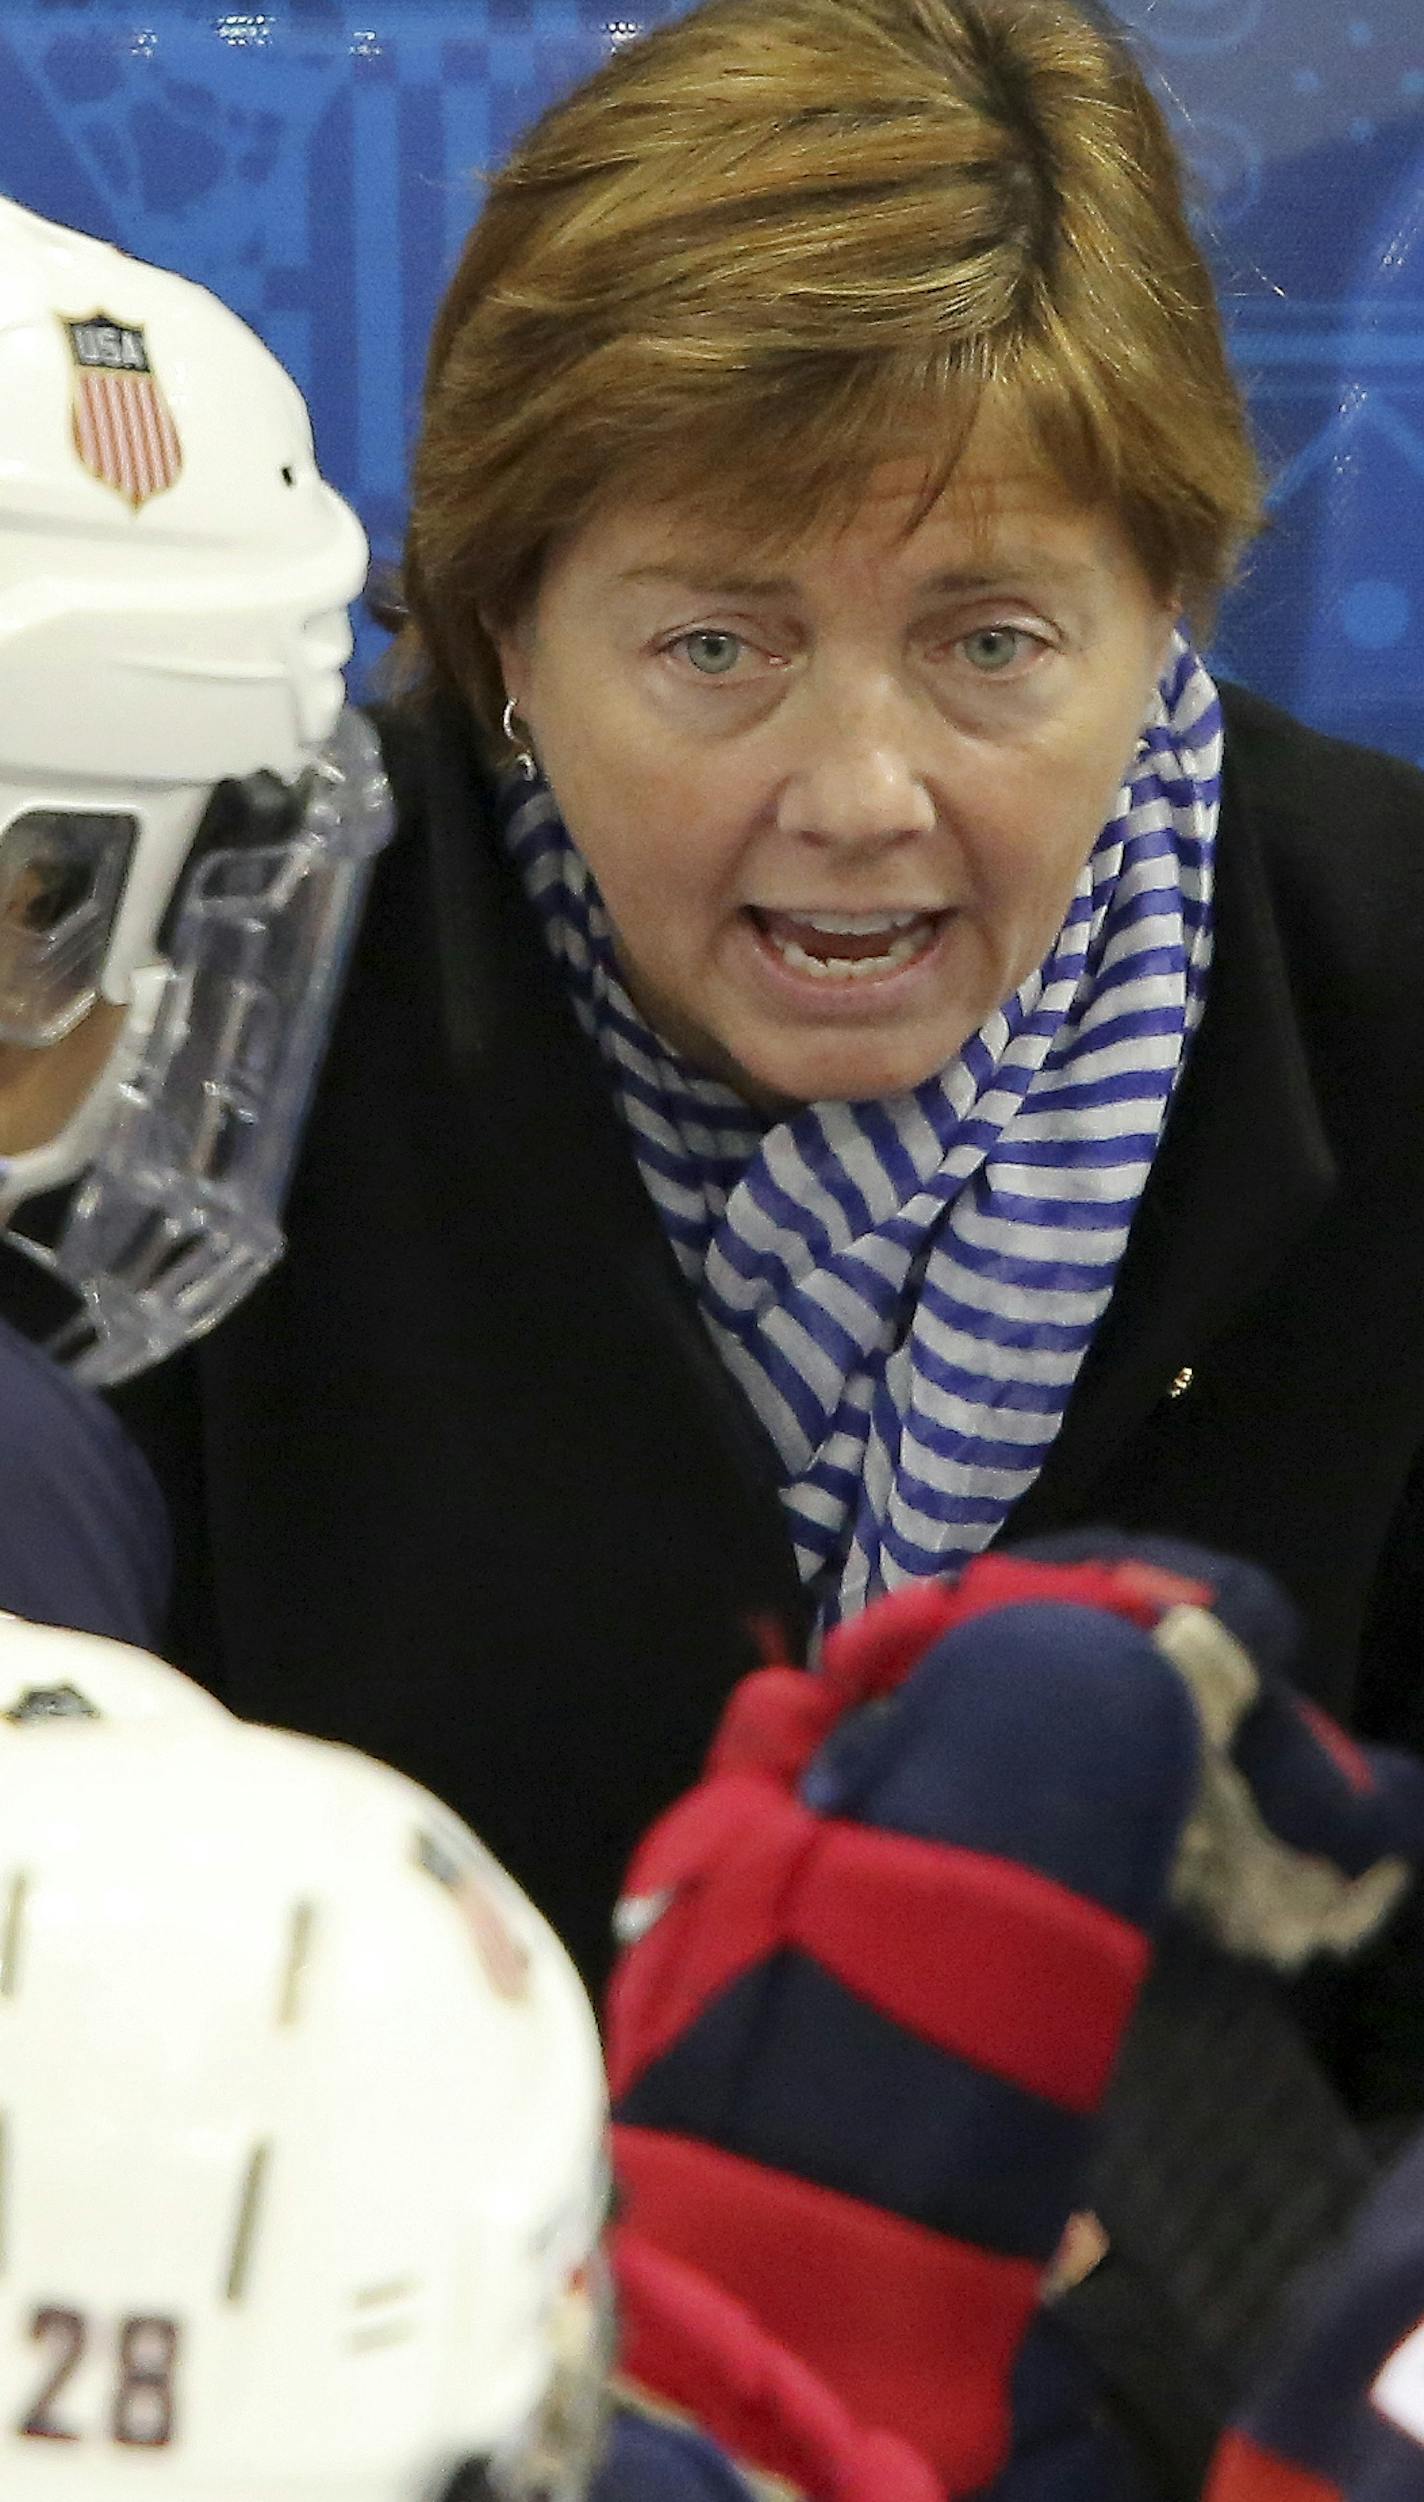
511 643
1170 621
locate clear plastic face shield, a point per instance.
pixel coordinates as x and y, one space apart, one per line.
179 1212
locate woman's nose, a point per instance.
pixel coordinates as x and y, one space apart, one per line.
856 776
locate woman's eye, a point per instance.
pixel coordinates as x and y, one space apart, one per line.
993 648
710 653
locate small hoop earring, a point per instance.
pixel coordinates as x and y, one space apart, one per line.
519 739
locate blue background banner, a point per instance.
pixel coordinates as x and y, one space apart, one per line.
317 162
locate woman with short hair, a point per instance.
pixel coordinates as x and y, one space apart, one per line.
861 1051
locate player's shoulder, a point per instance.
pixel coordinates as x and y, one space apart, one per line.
652 2455
84 1538
1343 2413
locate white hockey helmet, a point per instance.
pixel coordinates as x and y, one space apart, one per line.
174 581
302 2118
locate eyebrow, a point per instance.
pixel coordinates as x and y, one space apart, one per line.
709 582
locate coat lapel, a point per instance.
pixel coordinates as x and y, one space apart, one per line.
1243 1168
559 1180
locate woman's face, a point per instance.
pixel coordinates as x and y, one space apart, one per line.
837 806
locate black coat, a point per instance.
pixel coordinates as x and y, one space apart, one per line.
467 1485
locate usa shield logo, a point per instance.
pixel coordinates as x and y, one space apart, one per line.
504 1955
123 426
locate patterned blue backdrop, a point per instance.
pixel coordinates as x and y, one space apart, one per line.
317 162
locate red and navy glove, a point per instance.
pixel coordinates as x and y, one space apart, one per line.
891 1946
885 1954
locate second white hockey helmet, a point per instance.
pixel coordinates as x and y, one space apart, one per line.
301 2122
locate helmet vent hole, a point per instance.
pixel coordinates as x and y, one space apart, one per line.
289 475
294 1968
244 2232
11 1936
385 2314
51 1702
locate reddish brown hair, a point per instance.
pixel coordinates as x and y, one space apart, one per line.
777 242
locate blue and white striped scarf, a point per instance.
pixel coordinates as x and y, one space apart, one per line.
906 1288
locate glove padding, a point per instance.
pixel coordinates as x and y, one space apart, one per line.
883 1957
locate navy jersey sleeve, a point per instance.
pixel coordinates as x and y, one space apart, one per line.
651 2458
1341 2419
83 1532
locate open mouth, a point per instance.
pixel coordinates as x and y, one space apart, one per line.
847 946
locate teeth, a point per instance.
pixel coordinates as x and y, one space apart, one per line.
855 924
849 968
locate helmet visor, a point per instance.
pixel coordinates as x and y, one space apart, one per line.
180 1211
62 877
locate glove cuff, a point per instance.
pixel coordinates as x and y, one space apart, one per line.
689 2346
923 2330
